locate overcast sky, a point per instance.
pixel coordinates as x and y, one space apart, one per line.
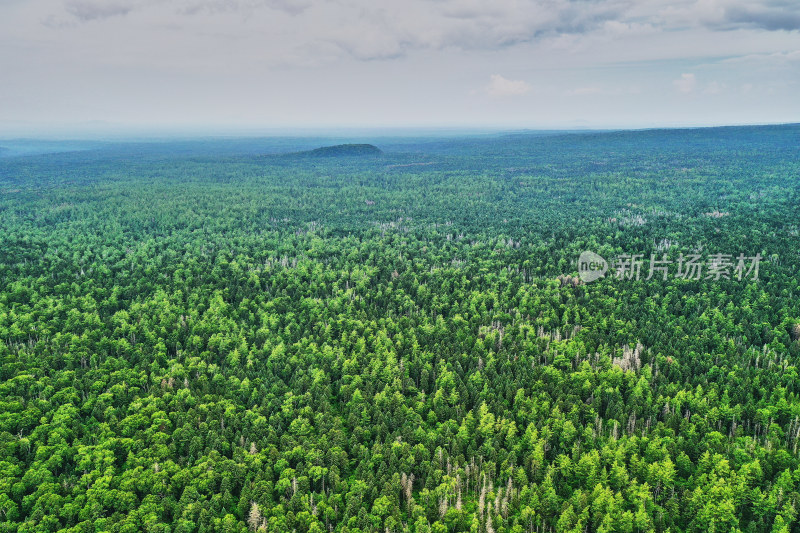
253 64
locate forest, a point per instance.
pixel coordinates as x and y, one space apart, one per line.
218 335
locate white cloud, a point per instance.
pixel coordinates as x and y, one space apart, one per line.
714 87
584 91
500 86
595 90
776 58
686 83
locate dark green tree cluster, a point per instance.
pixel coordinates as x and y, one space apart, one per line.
401 343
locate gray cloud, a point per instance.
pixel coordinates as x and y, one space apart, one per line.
386 29
367 29
88 10
294 7
391 29
768 15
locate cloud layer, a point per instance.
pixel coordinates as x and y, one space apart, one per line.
370 29
590 61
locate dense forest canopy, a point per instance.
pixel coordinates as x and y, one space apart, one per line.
195 337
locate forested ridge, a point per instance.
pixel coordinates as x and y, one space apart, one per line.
400 343
341 150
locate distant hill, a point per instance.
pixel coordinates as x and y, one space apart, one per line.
342 150
31 147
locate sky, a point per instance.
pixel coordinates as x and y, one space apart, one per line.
274 65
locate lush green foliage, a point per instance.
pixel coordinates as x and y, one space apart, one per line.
236 342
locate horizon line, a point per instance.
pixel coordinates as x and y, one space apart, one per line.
128 131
